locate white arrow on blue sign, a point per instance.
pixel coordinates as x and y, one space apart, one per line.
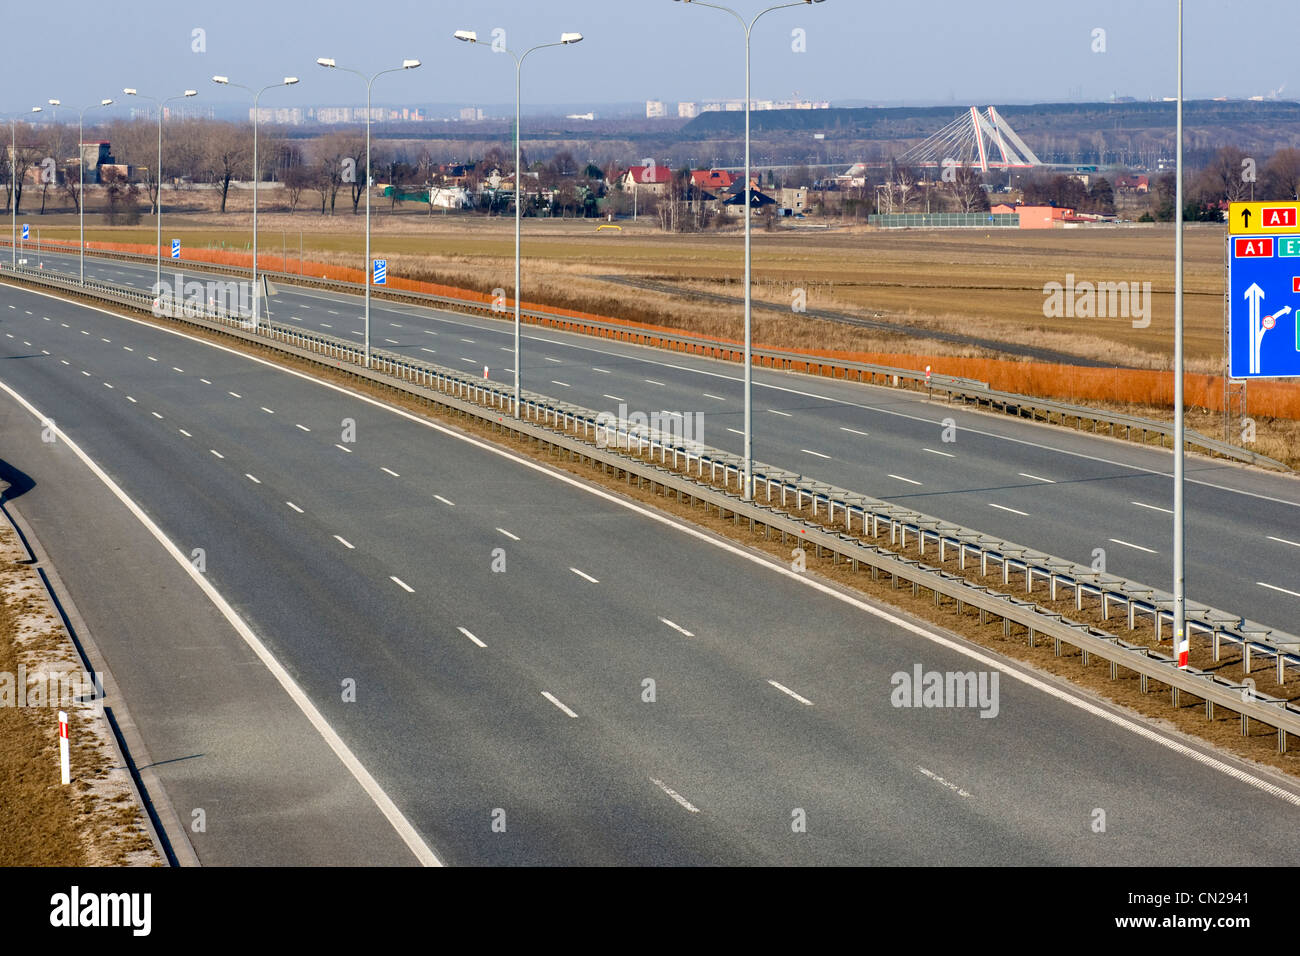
26 234
1264 294
176 248
381 272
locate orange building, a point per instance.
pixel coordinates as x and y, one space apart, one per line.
1036 217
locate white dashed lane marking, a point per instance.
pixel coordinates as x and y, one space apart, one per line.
1135 547
682 801
554 700
471 637
676 627
787 691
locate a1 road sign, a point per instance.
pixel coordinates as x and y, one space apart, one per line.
1254 218
381 272
1263 295
26 233
176 248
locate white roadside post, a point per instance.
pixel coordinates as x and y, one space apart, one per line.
566 39
747 486
1180 583
257 95
329 64
65 767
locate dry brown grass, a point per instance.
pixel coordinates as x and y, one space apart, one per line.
95 820
986 283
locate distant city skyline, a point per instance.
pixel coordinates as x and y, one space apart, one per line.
841 51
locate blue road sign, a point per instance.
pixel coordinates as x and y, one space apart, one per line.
176 248
1263 296
381 272
26 234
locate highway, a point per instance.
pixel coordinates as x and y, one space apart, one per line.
1069 494
519 697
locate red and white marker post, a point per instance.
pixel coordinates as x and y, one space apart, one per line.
65 768
1181 645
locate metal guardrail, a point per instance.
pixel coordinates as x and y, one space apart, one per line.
964 390
586 435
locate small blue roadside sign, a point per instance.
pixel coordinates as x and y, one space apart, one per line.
176 248
381 272
1263 296
26 234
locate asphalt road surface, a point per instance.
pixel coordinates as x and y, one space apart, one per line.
507 714
1074 495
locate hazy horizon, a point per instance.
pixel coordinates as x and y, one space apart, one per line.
1018 51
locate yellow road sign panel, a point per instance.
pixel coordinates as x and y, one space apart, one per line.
1255 218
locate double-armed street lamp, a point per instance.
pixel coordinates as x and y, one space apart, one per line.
81 181
566 39
329 64
132 91
257 95
748 26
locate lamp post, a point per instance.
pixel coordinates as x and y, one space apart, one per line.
1180 583
748 486
13 183
132 91
257 172
81 181
566 39
329 64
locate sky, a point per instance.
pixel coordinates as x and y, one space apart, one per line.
855 51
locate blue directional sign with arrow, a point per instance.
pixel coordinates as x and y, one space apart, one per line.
1263 296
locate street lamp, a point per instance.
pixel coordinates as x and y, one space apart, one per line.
81 179
132 91
748 487
1180 582
257 95
13 182
566 39
329 64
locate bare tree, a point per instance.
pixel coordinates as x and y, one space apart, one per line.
296 179
21 158
1282 175
1222 179
228 154
967 190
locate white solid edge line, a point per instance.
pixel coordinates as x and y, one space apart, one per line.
368 783
471 637
556 701
1059 693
